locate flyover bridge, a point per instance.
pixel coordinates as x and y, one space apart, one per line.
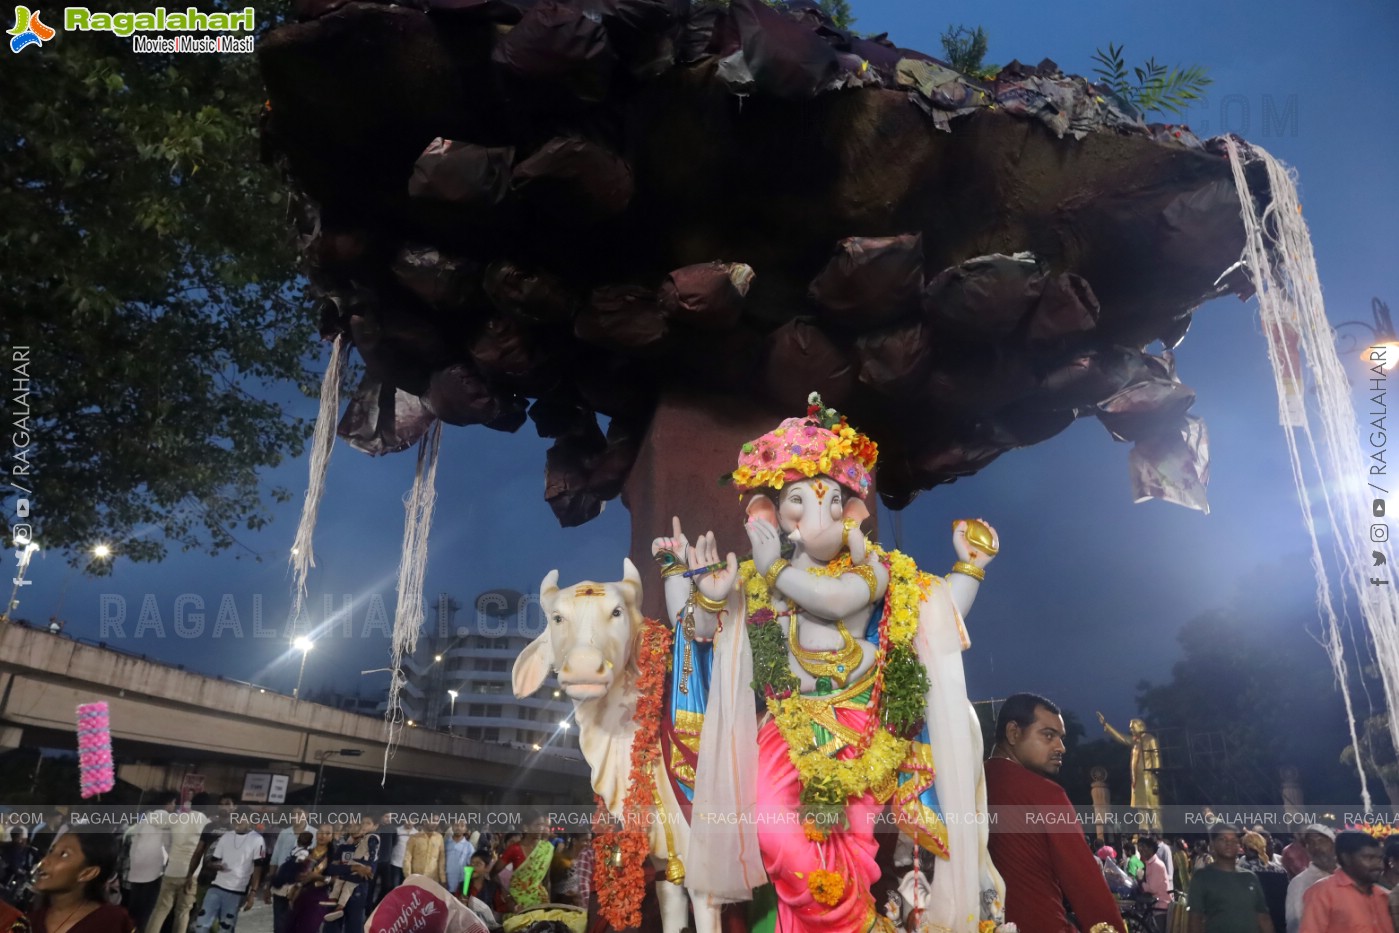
225 729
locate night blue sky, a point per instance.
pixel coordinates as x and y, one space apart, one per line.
1090 589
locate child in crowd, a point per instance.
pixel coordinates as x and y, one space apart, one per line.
284 882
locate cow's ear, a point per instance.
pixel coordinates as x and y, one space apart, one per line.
631 586
533 665
548 591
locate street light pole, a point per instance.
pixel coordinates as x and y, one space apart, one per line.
324 756
453 714
304 645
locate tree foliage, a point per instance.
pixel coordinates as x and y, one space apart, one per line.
147 263
966 51
1267 690
1377 750
1151 87
838 11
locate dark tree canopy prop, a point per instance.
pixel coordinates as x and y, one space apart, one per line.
557 210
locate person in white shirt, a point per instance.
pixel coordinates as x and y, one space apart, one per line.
147 844
238 857
281 851
176 896
459 850
1320 843
400 850
1168 859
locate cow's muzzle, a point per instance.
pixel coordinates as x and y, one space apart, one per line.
585 674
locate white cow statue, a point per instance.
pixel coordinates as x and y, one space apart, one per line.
590 639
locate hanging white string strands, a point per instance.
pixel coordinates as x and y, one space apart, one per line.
1324 448
412 570
303 556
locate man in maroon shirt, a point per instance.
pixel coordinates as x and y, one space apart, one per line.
1036 841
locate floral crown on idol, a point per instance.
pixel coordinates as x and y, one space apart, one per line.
822 443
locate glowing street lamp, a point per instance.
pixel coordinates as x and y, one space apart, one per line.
1383 348
453 694
304 645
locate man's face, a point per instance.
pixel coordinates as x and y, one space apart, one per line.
1318 845
1364 866
1321 850
1040 745
1226 845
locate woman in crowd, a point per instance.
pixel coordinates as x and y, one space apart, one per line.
529 885
311 905
71 883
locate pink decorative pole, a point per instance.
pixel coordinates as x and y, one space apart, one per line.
97 774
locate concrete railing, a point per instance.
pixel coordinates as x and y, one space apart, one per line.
45 676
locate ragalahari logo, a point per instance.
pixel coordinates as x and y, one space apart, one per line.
28 30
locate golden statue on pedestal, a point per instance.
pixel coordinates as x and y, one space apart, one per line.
1146 761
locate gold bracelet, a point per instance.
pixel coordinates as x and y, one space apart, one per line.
779 565
845 528
707 604
866 572
971 570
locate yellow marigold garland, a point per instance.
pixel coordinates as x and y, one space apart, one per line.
619 874
829 782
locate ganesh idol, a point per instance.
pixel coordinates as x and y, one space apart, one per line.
856 655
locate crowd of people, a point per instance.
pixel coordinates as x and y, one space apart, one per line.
196 869
204 865
1232 881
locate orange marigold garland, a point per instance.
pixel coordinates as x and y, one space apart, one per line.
619 873
826 887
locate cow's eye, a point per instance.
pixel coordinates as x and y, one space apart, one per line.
557 618
617 613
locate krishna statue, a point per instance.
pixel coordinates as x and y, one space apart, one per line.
856 654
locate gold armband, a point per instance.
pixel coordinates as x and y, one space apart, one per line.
777 567
707 604
866 572
971 570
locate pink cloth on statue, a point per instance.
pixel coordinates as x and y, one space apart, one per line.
787 851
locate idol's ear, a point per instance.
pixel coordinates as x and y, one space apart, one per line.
762 507
533 665
855 508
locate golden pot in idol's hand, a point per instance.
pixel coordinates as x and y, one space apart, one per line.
980 535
